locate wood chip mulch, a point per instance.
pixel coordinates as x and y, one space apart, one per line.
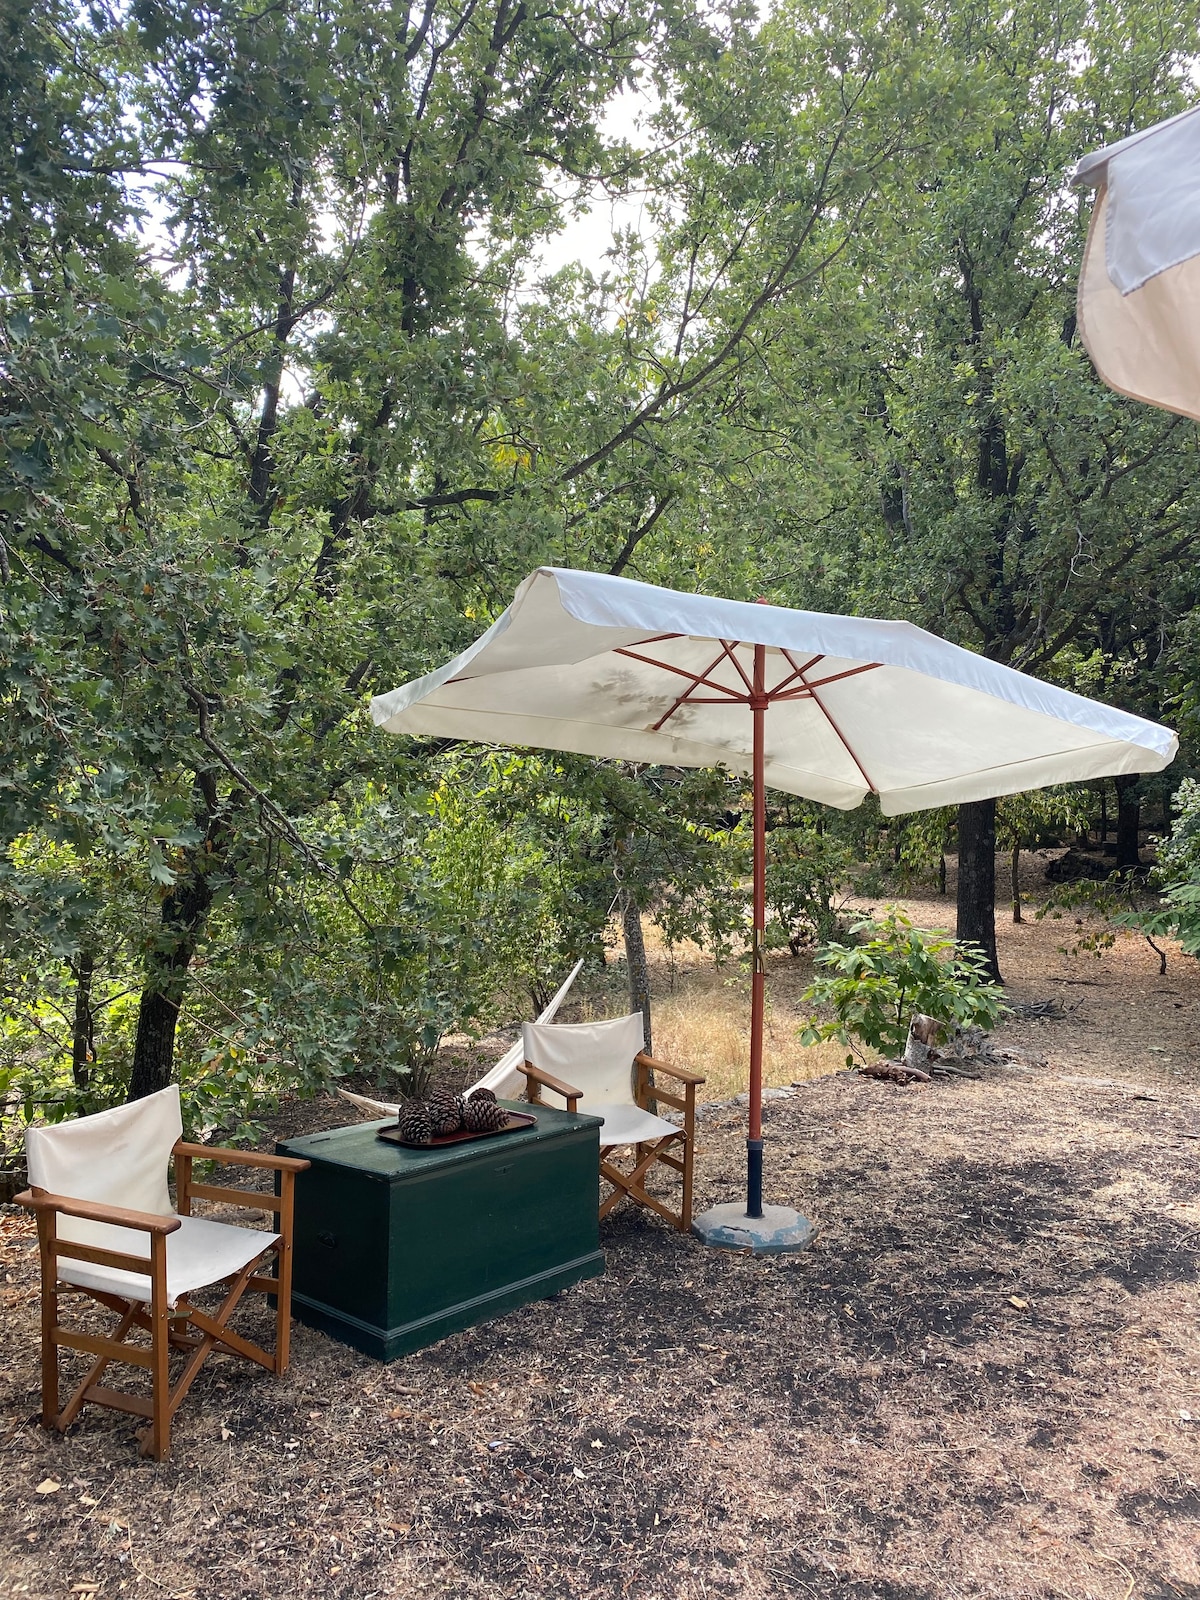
983 1380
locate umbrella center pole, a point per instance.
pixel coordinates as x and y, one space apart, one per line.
754 1143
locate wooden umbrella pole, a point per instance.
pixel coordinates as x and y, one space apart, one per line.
754 1142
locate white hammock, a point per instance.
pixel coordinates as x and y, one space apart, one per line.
504 1079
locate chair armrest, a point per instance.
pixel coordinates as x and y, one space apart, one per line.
95 1211
536 1075
681 1073
239 1158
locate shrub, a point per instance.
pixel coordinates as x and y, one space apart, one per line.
808 871
876 985
1177 877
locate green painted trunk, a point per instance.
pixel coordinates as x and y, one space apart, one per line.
395 1248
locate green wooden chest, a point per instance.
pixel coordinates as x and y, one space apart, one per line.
395 1248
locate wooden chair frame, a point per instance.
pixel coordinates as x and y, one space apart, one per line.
674 1150
184 1327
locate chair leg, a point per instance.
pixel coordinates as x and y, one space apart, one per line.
95 1372
631 1185
610 1202
156 1440
627 1185
46 1236
689 1146
283 1272
213 1332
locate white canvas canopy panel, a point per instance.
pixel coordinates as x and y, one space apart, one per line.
610 667
1139 287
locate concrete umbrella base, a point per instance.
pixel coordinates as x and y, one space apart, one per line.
779 1231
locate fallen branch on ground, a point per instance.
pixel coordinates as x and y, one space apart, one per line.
894 1072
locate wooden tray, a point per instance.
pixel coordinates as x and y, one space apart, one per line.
516 1120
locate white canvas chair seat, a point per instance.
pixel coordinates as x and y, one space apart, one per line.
199 1253
602 1071
625 1125
99 1189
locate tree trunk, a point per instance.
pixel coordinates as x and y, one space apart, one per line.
1015 880
83 1044
635 961
183 914
1103 812
977 879
154 1044
1129 818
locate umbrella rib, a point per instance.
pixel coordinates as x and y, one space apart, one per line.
729 650
688 698
695 679
824 710
851 672
796 672
806 688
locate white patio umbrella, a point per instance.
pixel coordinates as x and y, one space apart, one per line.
1139 288
609 667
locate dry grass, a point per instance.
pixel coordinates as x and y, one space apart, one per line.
707 1028
701 1016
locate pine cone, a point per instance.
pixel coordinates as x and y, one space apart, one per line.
445 1111
481 1094
484 1116
415 1123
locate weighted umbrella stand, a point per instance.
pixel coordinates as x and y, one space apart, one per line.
773 1229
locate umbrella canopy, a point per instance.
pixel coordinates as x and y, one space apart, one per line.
1139 289
609 667
832 708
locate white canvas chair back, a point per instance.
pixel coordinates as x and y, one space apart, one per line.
119 1158
597 1057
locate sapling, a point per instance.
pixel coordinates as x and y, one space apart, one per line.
893 970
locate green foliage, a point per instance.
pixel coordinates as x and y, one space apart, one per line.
287 429
1178 917
875 986
288 403
690 857
1179 852
1162 904
1041 816
1177 877
1092 908
809 869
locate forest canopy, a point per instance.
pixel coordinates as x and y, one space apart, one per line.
290 403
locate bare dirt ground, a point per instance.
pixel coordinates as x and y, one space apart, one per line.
983 1380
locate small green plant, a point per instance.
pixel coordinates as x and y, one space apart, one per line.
893 971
